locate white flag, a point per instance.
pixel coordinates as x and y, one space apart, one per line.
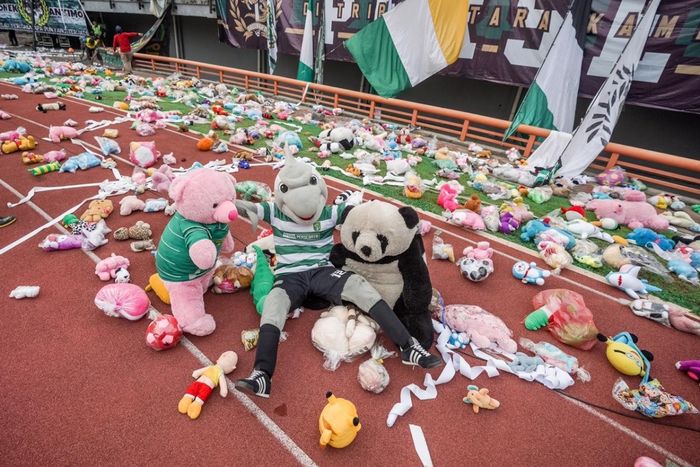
594 132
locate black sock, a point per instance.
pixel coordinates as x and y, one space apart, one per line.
390 323
266 354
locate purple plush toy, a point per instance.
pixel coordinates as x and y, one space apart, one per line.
691 368
57 242
509 224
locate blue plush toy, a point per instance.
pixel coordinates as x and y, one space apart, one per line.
684 270
531 229
695 259
526 363
82 161
645 237
529 273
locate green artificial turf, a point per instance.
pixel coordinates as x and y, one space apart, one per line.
674 290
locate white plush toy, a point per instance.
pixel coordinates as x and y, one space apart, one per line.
25 291
342 334
122 276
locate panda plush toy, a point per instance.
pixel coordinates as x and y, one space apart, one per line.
336 140
381 242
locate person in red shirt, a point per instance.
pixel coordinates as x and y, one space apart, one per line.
121 40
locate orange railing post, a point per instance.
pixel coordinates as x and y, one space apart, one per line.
465 129
612 161
530 144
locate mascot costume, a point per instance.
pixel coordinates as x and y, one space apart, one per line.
303 227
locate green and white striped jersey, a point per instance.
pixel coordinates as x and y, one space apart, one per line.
301 247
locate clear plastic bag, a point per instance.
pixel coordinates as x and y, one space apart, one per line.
108 146
565 315
372 374
556 357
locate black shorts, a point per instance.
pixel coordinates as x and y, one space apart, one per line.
317 288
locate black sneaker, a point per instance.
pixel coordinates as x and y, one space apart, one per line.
414 354
5 221
257 383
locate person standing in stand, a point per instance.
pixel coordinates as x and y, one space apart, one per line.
122 40
92 45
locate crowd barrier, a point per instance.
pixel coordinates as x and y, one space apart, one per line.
666 171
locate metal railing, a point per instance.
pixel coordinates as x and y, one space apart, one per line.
667 171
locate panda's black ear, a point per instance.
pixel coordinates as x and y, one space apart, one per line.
345 215
410 216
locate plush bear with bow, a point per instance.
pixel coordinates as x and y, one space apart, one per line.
191 242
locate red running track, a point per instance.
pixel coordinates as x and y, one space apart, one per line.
82 388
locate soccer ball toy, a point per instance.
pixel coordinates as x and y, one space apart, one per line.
163 333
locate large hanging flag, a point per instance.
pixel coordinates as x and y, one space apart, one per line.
271 36
305 71
320 45
551 100
594 132
409 43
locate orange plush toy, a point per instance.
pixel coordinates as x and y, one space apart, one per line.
473 204
479 398
205 144
29 158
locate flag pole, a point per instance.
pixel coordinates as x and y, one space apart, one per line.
34 25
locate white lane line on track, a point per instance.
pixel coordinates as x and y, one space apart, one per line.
628 431
269 424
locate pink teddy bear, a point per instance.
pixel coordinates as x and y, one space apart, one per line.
483 250
448 195
633 211
108 267
191 242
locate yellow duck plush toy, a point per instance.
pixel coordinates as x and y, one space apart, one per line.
338 422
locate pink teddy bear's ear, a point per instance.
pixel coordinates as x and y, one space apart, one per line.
177 188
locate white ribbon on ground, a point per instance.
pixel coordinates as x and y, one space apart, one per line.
50 223
39 189
421 445
549 376
107 188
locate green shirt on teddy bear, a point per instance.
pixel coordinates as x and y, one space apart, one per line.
173 259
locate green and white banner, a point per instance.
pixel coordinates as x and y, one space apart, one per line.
60 17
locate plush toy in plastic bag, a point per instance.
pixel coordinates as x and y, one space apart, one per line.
566 316
442 250
343 334
145 129
437 306
251 190
612 177
372 374
556 357
84 161
108 146
484 329
143 153
651 400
